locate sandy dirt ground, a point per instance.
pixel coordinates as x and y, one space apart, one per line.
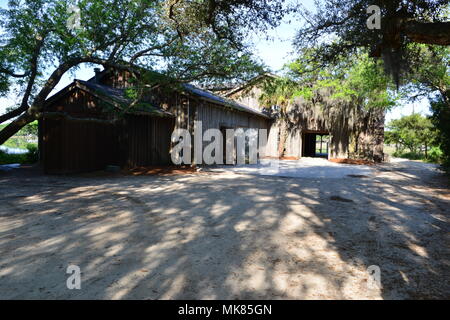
303 168
226 235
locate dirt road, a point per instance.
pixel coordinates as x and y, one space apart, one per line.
226 235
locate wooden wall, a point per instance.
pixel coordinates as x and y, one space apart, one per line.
68 146
148 140
188 109
72 146
249 97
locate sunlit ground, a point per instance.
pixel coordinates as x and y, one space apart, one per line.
227 236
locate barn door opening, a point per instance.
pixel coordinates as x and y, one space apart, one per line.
322 142
315 145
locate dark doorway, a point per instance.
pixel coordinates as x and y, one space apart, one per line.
315 145
223 130
309 145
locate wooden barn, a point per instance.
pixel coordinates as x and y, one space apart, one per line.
89 125
310 130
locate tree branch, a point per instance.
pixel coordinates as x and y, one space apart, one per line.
437 33
12 74
33 72
13 113
145 52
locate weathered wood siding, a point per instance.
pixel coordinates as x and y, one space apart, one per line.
214 116
118 79
188 109
249 97
272 141
353 133
72 146
69 146
294 144
148 140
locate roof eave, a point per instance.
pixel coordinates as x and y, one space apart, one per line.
76 84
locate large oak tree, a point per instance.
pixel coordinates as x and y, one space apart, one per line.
339 27
190 40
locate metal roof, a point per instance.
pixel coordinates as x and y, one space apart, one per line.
221 100
111 95
204 94
118 95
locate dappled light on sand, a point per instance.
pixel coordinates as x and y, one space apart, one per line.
229 236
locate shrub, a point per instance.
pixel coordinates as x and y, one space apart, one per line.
441 118
32 156
408 155
435 155
33 153
6 158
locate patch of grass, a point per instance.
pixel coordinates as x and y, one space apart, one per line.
30 157
23 137
389 149
6 158
434 155
408 155
33 153
17 142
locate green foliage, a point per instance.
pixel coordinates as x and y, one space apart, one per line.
197 40
339 29
278 91
131 93
31 157
435 155
30 129
21 139
6 158
369 84
408 155
358 81
430 74
413 132
16 142
441 118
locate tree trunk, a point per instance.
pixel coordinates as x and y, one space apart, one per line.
283 134
13 113
15 126
33 111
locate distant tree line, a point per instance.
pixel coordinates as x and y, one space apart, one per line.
414 136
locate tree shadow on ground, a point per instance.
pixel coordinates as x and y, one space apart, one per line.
216 236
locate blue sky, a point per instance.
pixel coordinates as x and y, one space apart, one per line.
274 52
